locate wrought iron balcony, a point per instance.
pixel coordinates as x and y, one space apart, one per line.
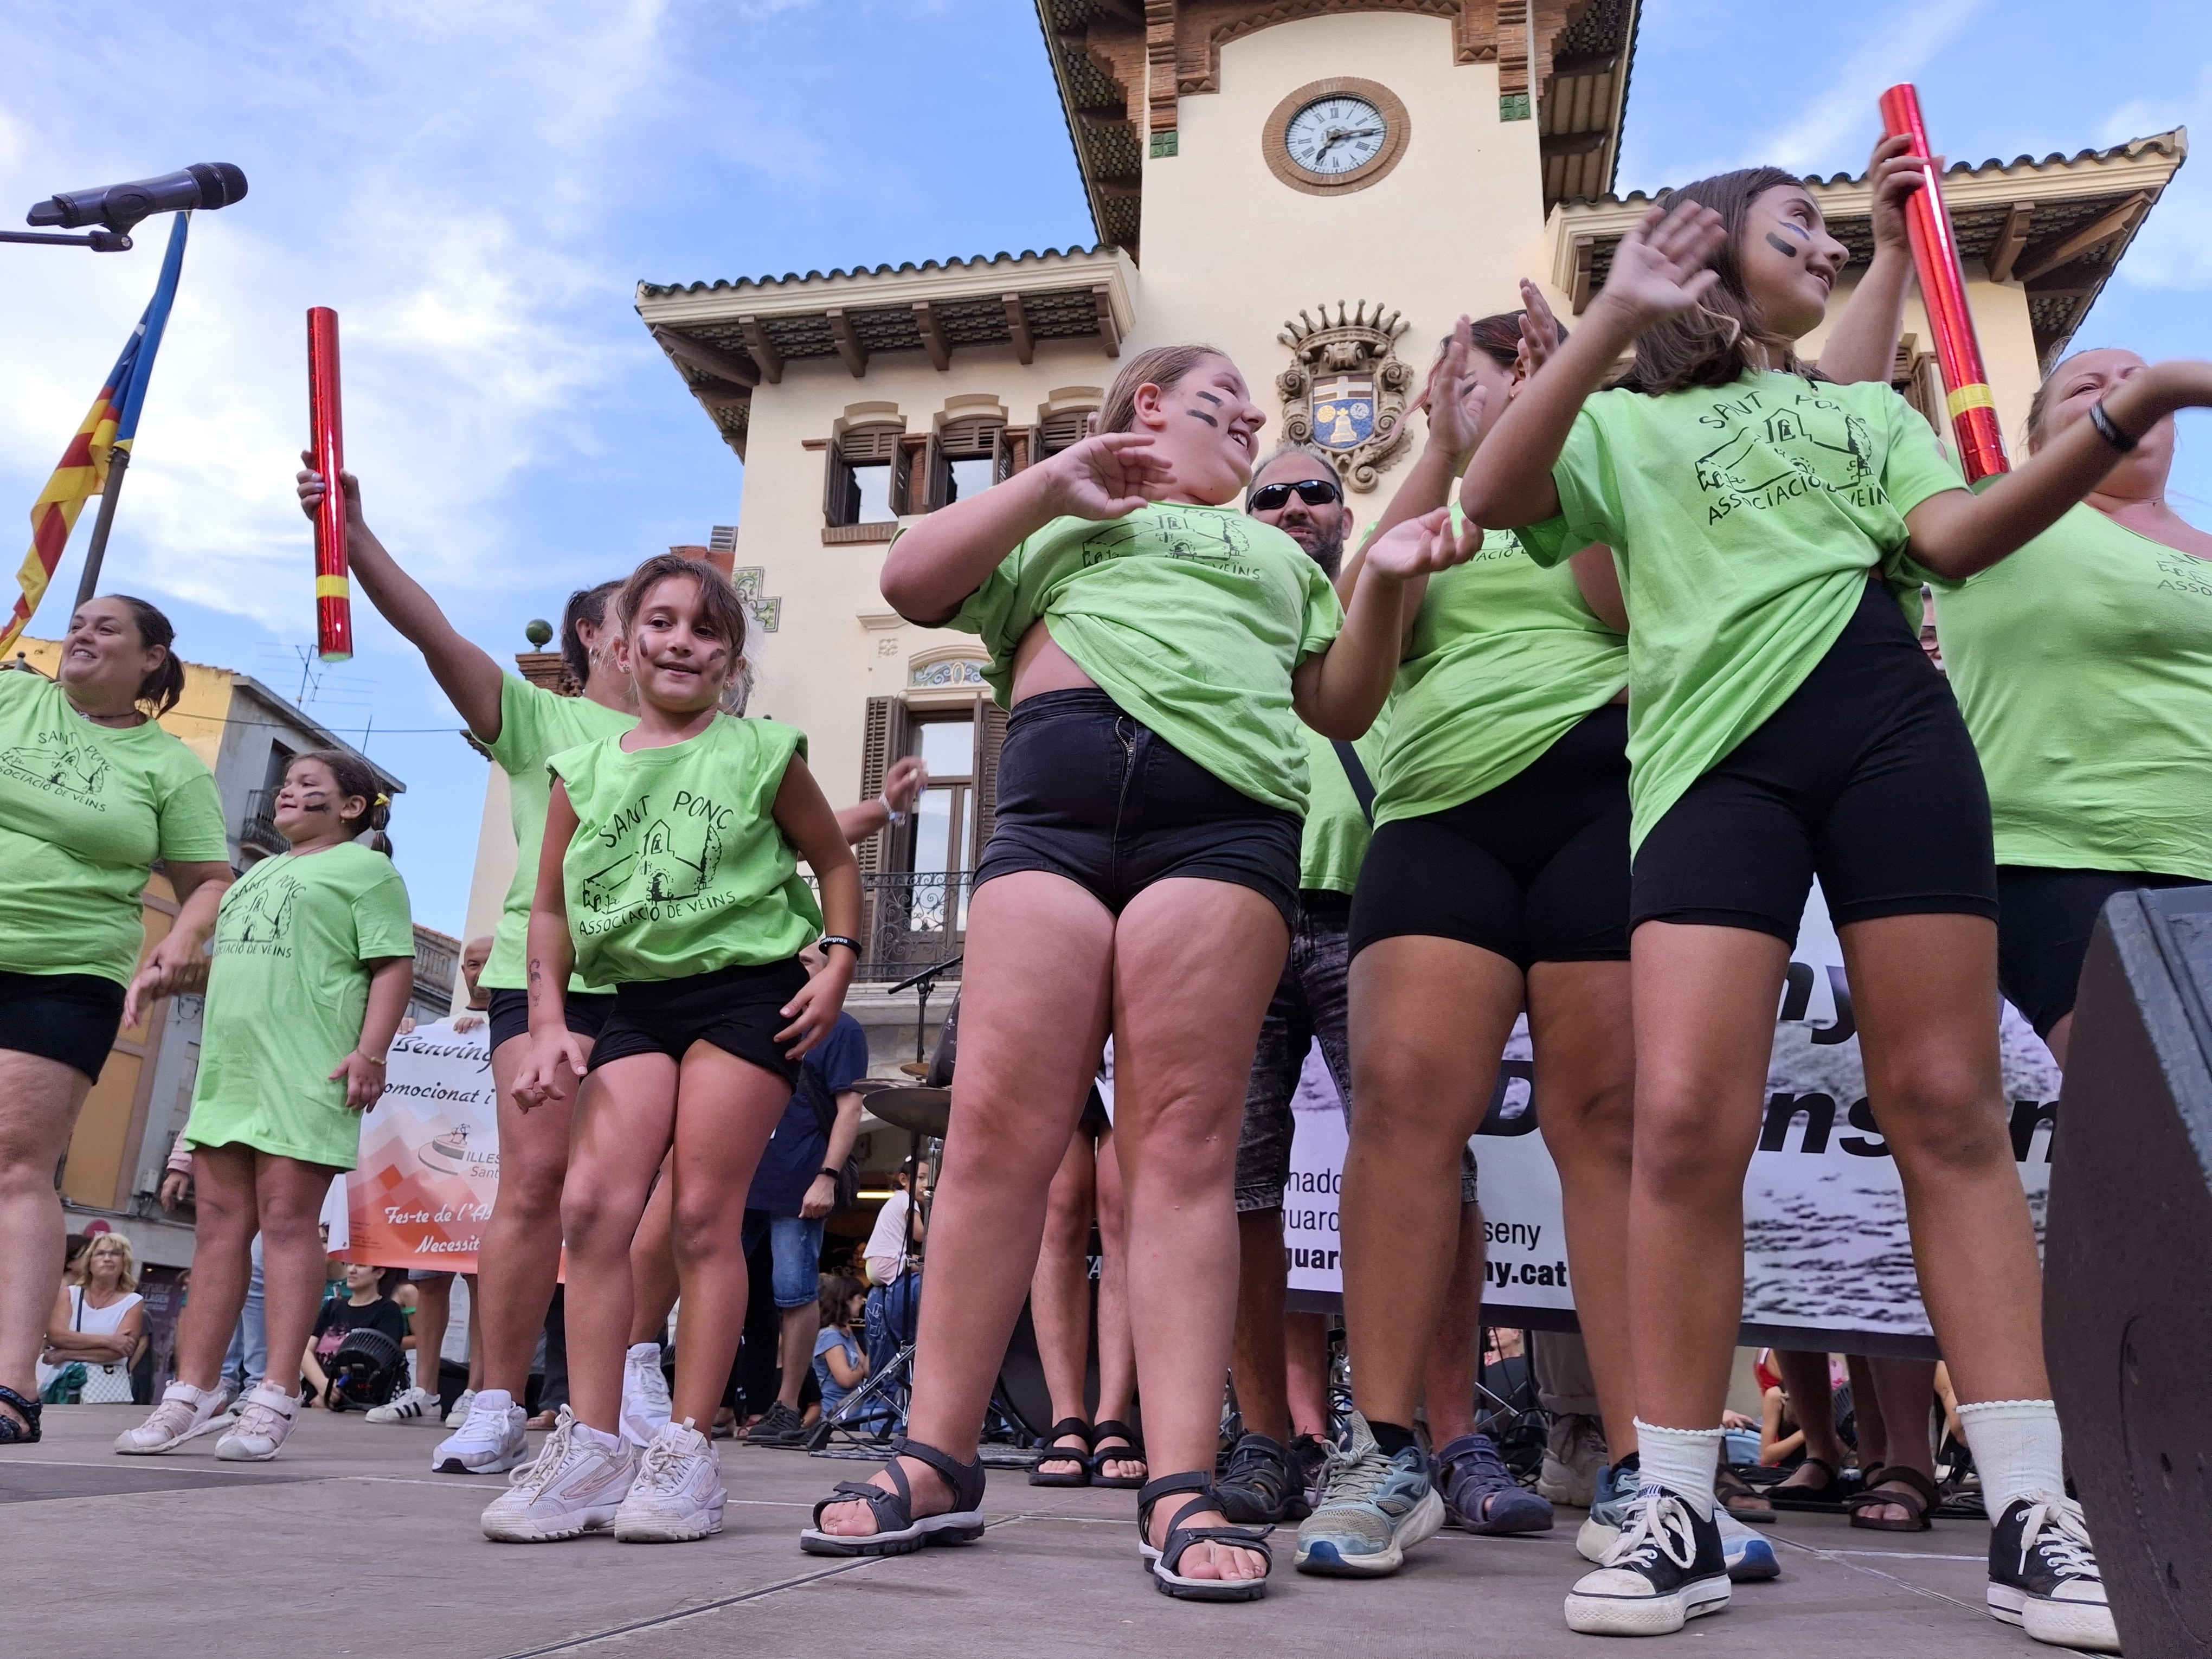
256 830
910 920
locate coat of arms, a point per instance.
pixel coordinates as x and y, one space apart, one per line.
1346 389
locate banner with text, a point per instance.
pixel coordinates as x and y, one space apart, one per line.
1825 1240
429 1157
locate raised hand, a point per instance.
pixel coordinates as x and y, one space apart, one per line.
1894 172
1455 400
313 488
1541 333
1664 267
1108 476
1422 546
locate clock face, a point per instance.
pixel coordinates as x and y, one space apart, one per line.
1335 135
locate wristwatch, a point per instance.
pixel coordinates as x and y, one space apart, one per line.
826 1171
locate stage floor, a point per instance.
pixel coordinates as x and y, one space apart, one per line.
348 1544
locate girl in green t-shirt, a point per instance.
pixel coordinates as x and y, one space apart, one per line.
669 871
93 793
2083 666
1783 724
313 959
1158 649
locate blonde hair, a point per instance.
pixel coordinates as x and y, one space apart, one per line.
1162 367
81 1272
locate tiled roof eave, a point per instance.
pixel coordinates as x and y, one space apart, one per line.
952 269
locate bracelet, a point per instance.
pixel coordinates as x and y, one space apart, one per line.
826 1171
2107 430
829 940
890 811
372 1059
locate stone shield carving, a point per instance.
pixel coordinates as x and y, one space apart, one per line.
1345 390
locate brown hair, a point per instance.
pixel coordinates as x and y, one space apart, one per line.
836 1297
1164 366
724 610
585 605
165 683
1718 342
354 776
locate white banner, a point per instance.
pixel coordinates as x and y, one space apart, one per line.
429 1157
1825 1240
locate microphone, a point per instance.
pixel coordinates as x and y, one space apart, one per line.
118 207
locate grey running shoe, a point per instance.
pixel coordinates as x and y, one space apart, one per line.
1574 1458
1373 1509
1258 1488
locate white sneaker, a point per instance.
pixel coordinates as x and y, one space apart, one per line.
460 1414
575 1485
186 1413
265 1417
489 1440
645 1405
415 1405
677 1493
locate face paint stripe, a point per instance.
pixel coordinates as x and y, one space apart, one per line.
1200 415
1780 246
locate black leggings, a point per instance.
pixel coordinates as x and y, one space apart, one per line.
1535 870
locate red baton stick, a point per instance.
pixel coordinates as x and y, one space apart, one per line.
333 586
1943 289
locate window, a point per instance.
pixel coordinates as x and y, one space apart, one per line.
1062 431
866 483
966 458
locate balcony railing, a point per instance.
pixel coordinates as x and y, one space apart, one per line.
256 830
909 921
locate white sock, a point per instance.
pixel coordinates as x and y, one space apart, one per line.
1684 1461
490 1399
599 1437
2016 1450
644 1350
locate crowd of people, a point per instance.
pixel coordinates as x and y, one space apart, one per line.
1630 658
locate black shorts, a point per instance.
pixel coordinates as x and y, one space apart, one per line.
2044 918
70 1017
738 1009
1864 776
510 1013
1535 870
1088 792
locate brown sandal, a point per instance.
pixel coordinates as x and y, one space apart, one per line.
1911 1491
1741 1499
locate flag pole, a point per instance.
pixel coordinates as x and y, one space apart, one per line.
119 461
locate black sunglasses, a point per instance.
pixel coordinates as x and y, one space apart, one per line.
1314 492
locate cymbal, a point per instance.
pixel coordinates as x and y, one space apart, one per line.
914 1068
917 1110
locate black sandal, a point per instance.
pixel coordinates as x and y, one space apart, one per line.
898 1530
26 1432
1162 1563
1826 1499
1919 1499
1740 1499
1051 1453
1133 1452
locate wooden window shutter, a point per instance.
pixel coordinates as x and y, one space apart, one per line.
885 738
936 475
990 737
840 490
1062 431
1002 455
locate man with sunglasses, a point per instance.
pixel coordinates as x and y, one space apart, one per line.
1296 489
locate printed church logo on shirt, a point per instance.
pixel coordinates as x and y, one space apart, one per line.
1219 539
673 862
1776 450
61 762
256 919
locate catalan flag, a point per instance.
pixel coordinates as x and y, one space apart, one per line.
110 425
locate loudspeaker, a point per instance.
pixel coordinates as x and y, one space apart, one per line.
2127 1264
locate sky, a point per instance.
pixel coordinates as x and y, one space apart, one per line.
477 188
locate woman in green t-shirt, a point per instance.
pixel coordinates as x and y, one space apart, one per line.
1784 723
2083 664
1158 649
93 793
669 871
313 959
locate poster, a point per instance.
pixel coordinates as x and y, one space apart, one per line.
429 1157
1825 1240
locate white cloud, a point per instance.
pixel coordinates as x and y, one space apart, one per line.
1897 46
2173 250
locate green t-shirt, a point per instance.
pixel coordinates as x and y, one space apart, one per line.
2083 664
1505 658
287 993
1337 831
534 725
1744 520
1191 618
85 810
677 866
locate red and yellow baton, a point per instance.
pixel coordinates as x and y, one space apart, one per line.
1943 289
333 587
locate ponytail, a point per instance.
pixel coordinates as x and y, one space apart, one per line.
165 686
354 776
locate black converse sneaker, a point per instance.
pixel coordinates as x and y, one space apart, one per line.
2044 1575
1666 1568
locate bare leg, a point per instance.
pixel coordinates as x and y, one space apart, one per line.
1872 1431
625 1122
1813 1402
475 1334
1259 1361
39 1099
653 1265
797 1329
290 1194
1430 1017
1906 1389
1059 1296
1117 1354
1305 1366
520 1262
1585 1040
1448 1381
2060 1036
433 1311
1035 1000
225 1215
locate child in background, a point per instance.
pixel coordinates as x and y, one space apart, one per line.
671 851
314 956
840 1367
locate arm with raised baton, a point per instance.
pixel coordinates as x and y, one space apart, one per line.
333 587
